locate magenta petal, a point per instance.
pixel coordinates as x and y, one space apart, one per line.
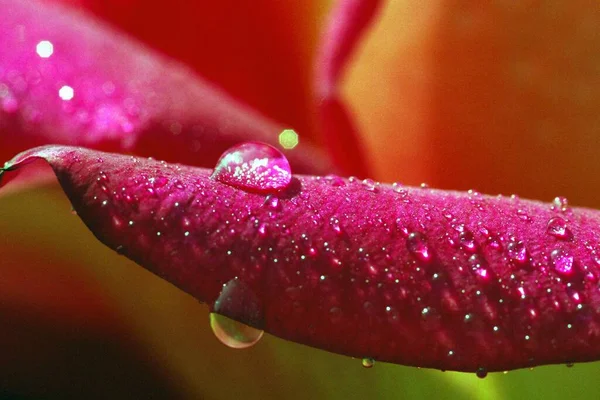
347 23
416 276
66 78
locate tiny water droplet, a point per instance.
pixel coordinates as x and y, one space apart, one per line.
370 185
273 203
368 362
467 241
232 333
518 252
557 227
560 203
335 225
417 245
335 180
522 214
255 167
570 365
481 373
562 261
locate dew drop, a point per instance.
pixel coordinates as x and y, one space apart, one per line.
481 373
368 362
335 225
237 302
417 245
370 185
468 241
560 203
562 261
518 252
232 333
255 167
273 203
557 227
335 180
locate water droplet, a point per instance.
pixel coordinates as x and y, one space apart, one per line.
481 373
368 362
518 252
557 227
370 185
237 302
335 224
494 242
560 203
522 214
335 180
273 203
232 333
417 245
468 241
255 167
562 261
570 365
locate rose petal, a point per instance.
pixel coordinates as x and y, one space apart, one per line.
261 51
347 22
66 78
421 277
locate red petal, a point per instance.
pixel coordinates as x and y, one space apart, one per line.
65 78
259 51
347 23
420 277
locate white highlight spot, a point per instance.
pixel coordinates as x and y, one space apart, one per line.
44 49
66 93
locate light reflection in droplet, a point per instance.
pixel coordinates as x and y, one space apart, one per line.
44 49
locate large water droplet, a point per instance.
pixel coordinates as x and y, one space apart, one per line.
417 245
562 261
237 302
557 227
232 333
255 167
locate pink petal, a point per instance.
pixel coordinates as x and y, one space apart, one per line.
415 276
347 23
67 78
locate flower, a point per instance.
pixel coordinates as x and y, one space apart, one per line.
374 126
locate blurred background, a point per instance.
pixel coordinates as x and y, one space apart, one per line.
501 98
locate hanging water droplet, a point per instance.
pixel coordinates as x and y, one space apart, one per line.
255 167
237 302
417 245
562 261
232 333
368 362
557 227
481 373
